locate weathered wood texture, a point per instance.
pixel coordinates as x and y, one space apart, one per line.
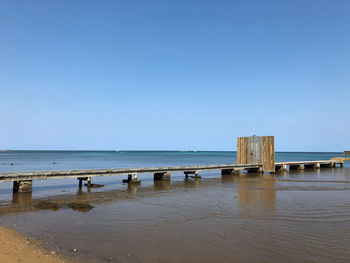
268 153
258 150
22 186
84 174
43 175
255 150
242 150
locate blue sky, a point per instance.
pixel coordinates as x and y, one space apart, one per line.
175 75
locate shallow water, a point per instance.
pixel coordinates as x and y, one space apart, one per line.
299 216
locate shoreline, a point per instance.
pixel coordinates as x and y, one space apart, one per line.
16 247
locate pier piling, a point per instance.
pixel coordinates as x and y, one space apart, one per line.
309 166
22 186
132 179
163 176
296 167
281 168
229 171
196 176
255 170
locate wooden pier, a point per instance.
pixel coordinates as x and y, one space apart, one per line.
255 154
23 180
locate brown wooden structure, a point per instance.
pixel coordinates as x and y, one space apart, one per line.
259 150
255 154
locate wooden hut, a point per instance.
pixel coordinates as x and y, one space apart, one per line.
257 150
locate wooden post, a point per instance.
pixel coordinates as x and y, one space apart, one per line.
88 181
132 179
309 166
281 168
254 170
162 176
296 167
229 171
196 176
25 186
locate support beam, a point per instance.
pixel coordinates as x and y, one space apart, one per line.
88 182
296 167
255 170
229 171
196 176
309 166
163 176
132 179
22 186
281 168
80 182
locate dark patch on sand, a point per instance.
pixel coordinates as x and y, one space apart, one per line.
80 206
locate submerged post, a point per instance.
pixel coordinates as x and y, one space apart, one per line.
132 179
162 176
196 176
229 171
88 181
22 186
296 167
281 168
80 182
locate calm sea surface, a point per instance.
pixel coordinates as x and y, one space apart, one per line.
298 216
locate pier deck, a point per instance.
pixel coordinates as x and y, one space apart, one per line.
43 175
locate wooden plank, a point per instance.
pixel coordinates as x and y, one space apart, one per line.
242 150
255 150
268 144
42 175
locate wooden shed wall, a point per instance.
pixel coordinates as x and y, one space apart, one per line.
242 150
268 153
257 150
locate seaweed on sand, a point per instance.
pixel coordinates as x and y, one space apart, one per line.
48 205
80 206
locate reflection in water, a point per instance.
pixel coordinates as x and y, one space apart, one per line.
256 192
161 185
132 188
22 202
22 199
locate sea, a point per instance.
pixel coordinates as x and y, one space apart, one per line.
294 216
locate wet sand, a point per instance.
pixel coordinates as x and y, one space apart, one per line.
16 247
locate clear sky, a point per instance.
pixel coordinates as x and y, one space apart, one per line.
174 75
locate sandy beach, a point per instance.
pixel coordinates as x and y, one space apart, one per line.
16 247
